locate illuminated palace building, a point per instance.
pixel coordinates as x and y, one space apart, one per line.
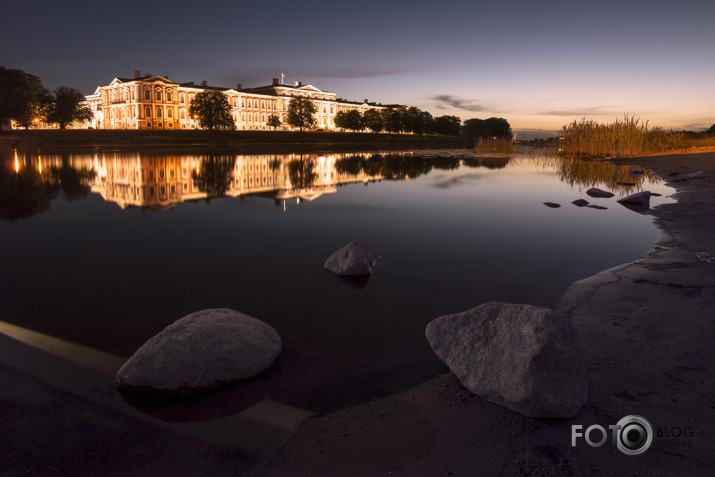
155 102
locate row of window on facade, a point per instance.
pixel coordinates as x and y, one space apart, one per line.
124 94
159 113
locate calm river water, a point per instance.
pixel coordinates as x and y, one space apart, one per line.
107 248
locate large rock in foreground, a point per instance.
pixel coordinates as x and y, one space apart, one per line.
201 351
353 260
527 358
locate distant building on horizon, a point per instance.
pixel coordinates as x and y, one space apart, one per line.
155 102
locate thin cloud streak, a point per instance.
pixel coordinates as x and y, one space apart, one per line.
598 110
446 101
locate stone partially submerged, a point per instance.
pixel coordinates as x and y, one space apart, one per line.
635 171
596 192
527 358
639 198
353 260
695 175
199 352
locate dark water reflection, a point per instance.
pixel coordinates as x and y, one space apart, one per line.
153 242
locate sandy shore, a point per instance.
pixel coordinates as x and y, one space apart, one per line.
647 327
648 330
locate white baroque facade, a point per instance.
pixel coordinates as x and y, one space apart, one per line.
155 102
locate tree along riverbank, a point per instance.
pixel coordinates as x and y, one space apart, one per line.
91 137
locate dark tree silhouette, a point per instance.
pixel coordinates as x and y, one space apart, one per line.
301 113
447 125
214 176
23 193
67 107
350 120
492 128
274 121
302 173
372 120
22 97
74 183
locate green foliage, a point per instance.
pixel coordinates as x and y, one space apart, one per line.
67 107
274 121
301 113
213 110
712 129
350 120
622 138
22 97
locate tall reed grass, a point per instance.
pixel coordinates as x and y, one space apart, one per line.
499 145
622 138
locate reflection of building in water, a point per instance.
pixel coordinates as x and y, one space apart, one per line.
160 182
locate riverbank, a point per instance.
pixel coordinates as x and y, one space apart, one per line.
227 139
647 329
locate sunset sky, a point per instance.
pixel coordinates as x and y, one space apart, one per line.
539 64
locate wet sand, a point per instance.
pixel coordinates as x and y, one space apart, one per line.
648 330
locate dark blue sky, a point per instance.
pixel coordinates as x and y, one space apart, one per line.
540 64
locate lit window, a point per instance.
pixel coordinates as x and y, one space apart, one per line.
169 113
182 98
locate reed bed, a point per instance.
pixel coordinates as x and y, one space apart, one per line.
584 174
623 138
499 145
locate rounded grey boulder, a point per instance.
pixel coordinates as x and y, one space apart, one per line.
201 351
527 358
353 260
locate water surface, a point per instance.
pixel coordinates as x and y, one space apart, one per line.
106 249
